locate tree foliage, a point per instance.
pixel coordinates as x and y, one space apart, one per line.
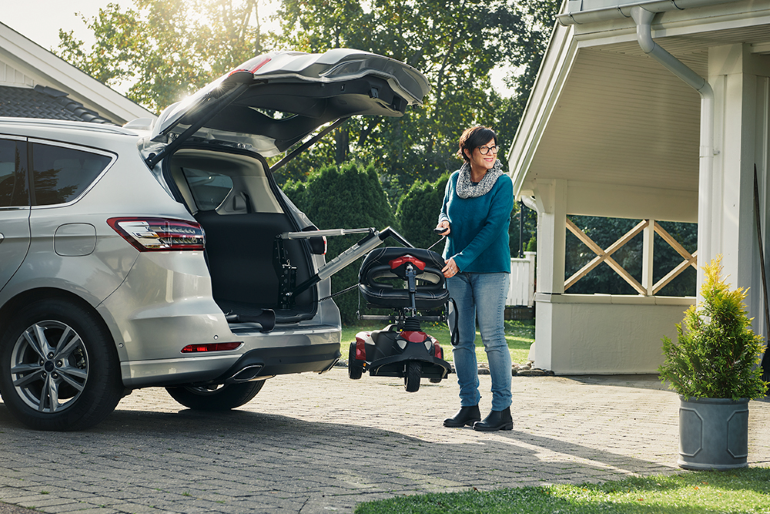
716 354
162 50
456 44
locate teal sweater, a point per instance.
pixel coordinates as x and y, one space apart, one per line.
478 241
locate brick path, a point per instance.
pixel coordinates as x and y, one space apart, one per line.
321 443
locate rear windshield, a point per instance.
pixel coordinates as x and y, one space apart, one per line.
61 174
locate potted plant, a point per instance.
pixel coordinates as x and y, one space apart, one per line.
714 366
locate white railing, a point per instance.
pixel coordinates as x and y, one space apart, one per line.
521 291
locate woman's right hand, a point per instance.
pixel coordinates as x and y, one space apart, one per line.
444 224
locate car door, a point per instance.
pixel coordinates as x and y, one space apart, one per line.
14 206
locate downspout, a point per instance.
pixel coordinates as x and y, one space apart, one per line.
643 19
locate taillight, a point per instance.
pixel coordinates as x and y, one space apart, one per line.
360 349
159 234
212 347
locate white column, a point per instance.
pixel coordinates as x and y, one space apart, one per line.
648 257
551 198
740 136
756 302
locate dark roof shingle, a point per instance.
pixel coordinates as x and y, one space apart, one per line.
45 102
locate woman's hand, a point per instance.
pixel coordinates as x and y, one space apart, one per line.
443 225
451 269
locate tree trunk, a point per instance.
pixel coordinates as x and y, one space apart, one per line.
342 144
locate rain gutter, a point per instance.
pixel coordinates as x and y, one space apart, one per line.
576 15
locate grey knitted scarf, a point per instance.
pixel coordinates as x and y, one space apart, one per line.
466 189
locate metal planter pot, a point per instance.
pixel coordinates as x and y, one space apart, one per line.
713 433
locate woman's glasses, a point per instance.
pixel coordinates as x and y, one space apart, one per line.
486 149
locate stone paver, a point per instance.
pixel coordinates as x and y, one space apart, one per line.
320 443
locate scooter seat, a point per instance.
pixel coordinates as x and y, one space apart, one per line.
376 279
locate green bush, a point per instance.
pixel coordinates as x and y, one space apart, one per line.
418 211
716 354
531 245
345 197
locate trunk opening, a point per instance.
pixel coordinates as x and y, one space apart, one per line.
233 197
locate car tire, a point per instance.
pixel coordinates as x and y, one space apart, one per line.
216 398
355 370
58 366
412 376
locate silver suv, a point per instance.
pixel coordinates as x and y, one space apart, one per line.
156 254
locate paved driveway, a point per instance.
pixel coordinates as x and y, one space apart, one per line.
323 443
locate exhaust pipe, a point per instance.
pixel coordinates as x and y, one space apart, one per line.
247 374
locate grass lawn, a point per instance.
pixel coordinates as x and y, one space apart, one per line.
701 492
518 334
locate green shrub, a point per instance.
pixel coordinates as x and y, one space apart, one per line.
531 245
348 197
418 211
717 353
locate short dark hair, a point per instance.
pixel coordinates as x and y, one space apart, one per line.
473 138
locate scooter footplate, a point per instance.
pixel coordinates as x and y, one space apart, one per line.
432 367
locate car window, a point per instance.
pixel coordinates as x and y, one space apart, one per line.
61 174
209 189
13 174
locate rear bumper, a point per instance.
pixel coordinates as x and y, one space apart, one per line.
313 349
255 364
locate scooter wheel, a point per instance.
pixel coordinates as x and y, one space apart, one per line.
412 376
435 380
355 370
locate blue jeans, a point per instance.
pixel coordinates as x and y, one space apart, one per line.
481 296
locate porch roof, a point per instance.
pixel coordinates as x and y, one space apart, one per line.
25 64
612 121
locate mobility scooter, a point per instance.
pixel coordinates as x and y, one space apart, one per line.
405 279
401 349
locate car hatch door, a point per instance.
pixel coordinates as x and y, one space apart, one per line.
275 100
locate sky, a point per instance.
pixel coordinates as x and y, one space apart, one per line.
40 21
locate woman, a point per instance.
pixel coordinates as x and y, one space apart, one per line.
475 217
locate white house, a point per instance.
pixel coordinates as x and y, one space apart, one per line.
36 83
651 110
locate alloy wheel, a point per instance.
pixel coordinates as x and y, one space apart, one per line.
49 366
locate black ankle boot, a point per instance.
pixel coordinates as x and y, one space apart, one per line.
465 416
497 420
